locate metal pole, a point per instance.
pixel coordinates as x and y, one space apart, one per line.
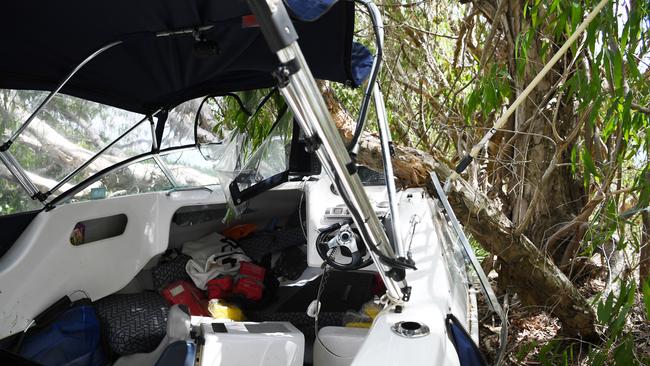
520 99
372 89
15 169
94 157
154 144
304 98
386 150
165 169
378 25
58 88
84 62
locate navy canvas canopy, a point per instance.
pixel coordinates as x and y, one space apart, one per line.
43 40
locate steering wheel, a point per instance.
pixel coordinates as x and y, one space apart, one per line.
340 241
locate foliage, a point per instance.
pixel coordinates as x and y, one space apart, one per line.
570 167
612 313
254 119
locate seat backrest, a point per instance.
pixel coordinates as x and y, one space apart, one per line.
179 353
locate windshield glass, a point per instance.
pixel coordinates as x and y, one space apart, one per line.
69 132
140 177
66 134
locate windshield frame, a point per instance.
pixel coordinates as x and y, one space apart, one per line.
132 160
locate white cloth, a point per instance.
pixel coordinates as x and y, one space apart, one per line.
212 255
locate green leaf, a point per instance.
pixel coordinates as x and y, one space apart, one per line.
592 33
489 97
526 5
604 309
623 354
574 159
625 36
593 114
590 167
554 6
560 25
576 15
617 69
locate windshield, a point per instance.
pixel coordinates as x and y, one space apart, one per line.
96 151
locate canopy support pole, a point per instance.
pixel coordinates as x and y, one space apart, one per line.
378 26
301 92
373 90
94 157
14 167
19 173
49 97
387 154
93 55
5 156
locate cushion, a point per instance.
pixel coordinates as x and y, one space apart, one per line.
170 268
133 323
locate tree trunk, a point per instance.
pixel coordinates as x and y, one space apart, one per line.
644 257
533 275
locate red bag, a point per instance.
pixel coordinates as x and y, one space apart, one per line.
220 287
249 288
250 270
184 292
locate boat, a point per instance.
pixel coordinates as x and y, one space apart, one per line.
370 273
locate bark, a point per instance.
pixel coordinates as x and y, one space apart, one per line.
644 260
532 274
644 257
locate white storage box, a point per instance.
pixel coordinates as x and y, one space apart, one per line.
251 344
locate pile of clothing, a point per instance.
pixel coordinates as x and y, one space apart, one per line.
213 276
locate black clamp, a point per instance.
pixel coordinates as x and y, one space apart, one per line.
312 143
391 148
284 71
396 274
406 293
351 167
40 196
4 147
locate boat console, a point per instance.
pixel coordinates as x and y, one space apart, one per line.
326 210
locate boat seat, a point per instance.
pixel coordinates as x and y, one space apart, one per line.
175 347
342 344
133 323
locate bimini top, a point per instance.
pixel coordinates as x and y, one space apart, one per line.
161 62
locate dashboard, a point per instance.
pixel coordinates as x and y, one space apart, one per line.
325 207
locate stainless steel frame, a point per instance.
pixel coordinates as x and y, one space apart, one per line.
94 157
378 26
373 90
19 173
386 149
304 98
